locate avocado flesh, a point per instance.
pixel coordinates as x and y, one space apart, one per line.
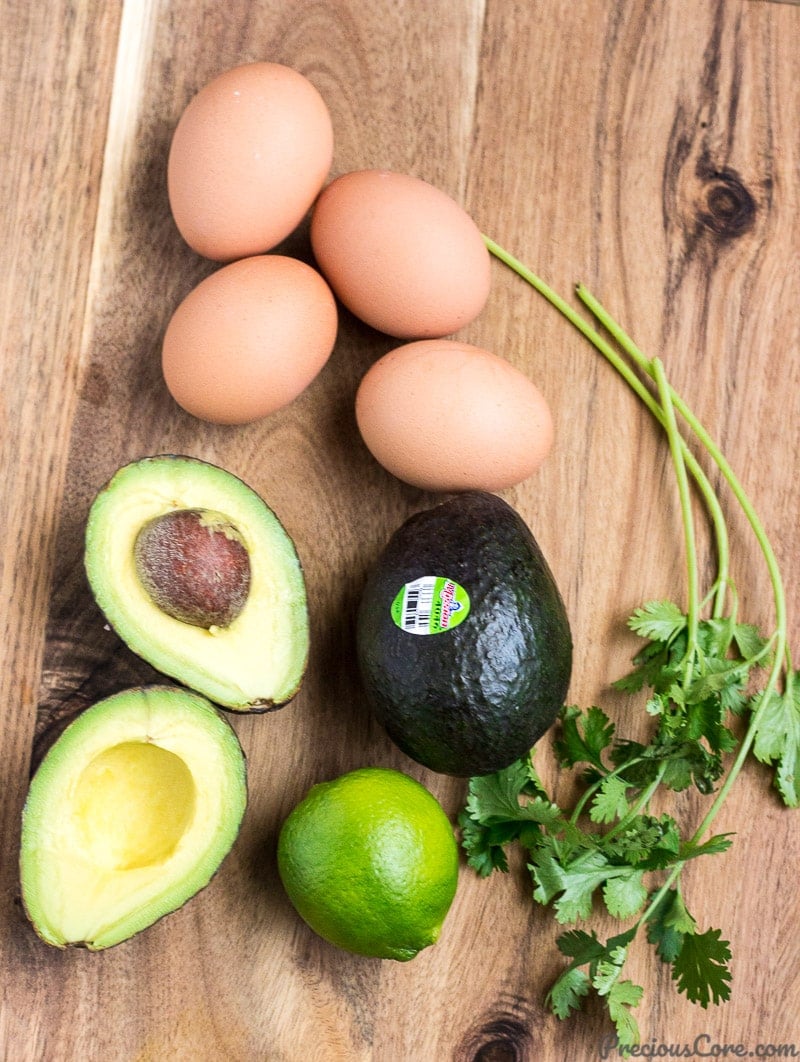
471 699
129 815
257 662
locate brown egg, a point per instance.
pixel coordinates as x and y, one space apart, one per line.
448 416
248 156
249 338
400 254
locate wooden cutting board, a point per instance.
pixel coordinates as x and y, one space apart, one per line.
649 149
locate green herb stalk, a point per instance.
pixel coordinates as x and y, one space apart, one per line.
697 669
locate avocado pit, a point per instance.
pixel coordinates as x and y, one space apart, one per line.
194 566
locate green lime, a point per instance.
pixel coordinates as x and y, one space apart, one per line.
370 862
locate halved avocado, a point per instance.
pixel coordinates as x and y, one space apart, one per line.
129 815
167 535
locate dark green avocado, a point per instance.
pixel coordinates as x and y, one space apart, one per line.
463 640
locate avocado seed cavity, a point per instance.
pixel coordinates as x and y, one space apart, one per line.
194 566
133 804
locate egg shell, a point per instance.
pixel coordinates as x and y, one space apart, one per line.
400 253
249 338
248 156
448 416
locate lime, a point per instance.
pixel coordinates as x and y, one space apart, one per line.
370 862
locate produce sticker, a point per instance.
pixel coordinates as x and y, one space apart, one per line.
430 605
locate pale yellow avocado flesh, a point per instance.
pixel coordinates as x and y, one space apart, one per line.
258 661
129 815
132 805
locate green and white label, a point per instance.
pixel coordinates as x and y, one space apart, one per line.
430 605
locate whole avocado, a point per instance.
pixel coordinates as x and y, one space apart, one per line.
463 640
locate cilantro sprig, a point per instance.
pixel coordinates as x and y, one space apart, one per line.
697 671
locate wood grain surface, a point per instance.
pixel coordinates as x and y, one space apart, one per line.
649 148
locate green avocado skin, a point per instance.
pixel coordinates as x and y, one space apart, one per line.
472 699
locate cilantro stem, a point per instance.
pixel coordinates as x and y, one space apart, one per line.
590 790
709 495
674 438
645 365
747 741
635 384
635 809
648 381
782 661
671 879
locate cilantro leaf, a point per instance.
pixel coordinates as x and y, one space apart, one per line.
657 664
666 939
610 802
586 742
658 621
778 738
701 967
704 720
622 996
608 969
567 990
646 842
677 760
687 762
716 675
547 874
484 847
668 924
495 815
715 635
570 885
604 962
652 664
495 797
625 895
721 842
580 946
734 697
749 641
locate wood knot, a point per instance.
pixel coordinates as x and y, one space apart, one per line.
503 1039
727 208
